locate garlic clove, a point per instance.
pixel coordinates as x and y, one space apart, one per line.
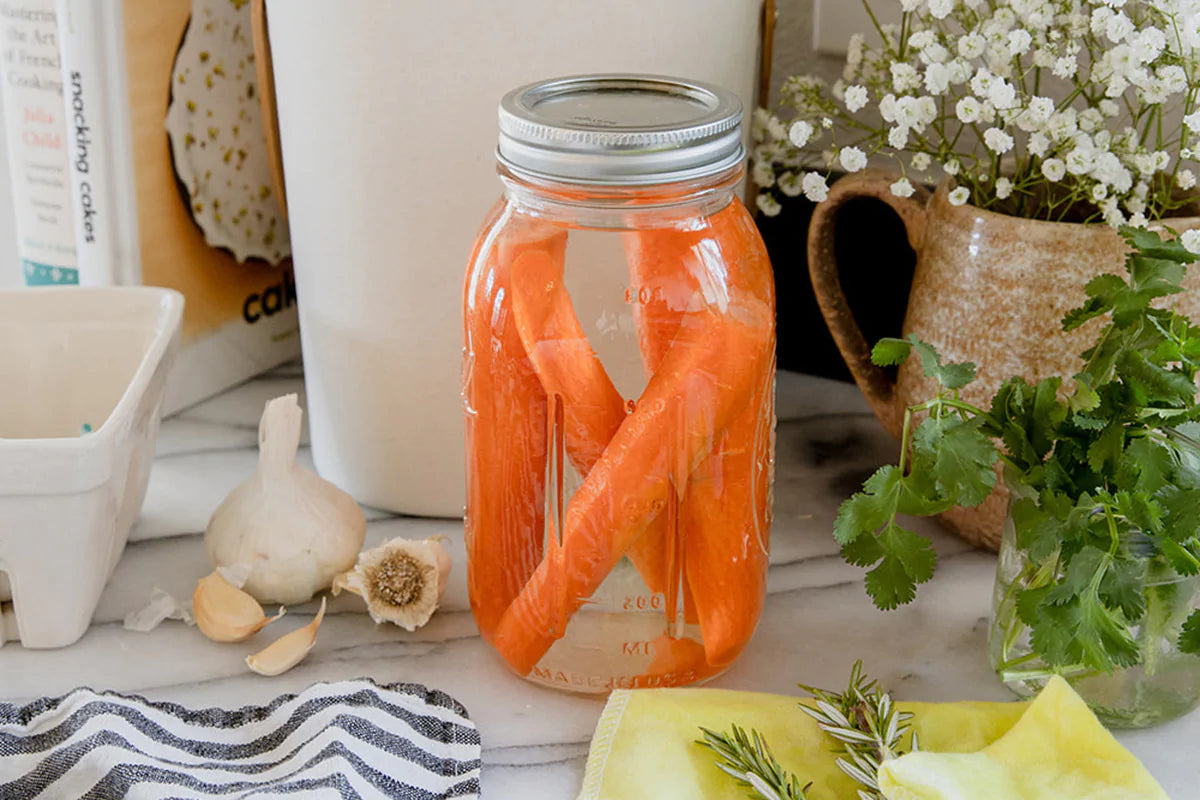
402 580
224 613
288 650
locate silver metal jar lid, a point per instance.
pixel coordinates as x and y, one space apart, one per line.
620 130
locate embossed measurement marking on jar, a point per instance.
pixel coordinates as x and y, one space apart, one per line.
645 602
646 294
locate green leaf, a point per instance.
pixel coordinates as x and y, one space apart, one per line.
1150 244
890 352
1156 277
1037 529
1183 558
1146 465
1103 638
1183 512
1094 307
1123 585
869 510
863 551
1142 511
960 458
909 560
1153 383
1084 398
1108 448
952 376
1189 637
1106 288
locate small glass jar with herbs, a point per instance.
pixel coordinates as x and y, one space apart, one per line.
1099 571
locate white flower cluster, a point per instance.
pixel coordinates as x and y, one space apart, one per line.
1039 108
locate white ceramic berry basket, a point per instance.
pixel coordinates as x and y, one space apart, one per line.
82 372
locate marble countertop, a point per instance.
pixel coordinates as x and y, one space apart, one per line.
817 621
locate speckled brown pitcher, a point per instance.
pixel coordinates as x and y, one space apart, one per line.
988 288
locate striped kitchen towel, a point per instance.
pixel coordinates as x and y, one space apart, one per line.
345 740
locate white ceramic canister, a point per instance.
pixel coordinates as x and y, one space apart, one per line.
387 123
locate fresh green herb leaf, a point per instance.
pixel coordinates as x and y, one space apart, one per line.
951 376
908 560
747 758
869 510
1189 637
1108 449
961 458
890 352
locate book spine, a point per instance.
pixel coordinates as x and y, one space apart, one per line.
32 91
88 63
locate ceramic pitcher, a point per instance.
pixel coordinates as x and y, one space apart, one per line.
988 288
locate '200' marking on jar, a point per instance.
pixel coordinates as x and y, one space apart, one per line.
644 602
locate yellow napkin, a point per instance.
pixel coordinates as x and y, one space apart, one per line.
644 747
1057 751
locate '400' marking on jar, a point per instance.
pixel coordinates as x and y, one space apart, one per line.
645 602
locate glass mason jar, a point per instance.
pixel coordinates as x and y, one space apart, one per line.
1163 685
618 384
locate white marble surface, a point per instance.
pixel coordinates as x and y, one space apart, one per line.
817 621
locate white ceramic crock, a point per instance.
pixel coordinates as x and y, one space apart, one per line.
81 386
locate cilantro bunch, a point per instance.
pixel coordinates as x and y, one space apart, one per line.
1105 478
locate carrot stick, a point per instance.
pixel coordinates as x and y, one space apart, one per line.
726 523
725 517
701 385
505 431
568 367
563 358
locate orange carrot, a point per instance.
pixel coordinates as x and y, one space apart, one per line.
569 368
725 518
563 358
701 386
505 432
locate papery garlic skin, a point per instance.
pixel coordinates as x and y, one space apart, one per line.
293 528
402 580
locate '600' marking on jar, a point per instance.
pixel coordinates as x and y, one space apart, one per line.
645 602
646 294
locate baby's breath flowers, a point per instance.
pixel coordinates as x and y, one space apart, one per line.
1082 110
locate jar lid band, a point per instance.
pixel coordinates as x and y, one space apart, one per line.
620 130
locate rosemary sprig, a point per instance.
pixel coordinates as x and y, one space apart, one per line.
748 760
868 725
863 719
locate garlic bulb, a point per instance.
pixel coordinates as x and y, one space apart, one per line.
295 530
402 581
224 613
288 650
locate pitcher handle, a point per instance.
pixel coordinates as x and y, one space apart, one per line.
875 384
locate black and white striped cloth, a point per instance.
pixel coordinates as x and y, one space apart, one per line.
346 740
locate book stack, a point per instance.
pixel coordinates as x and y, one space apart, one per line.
138 156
